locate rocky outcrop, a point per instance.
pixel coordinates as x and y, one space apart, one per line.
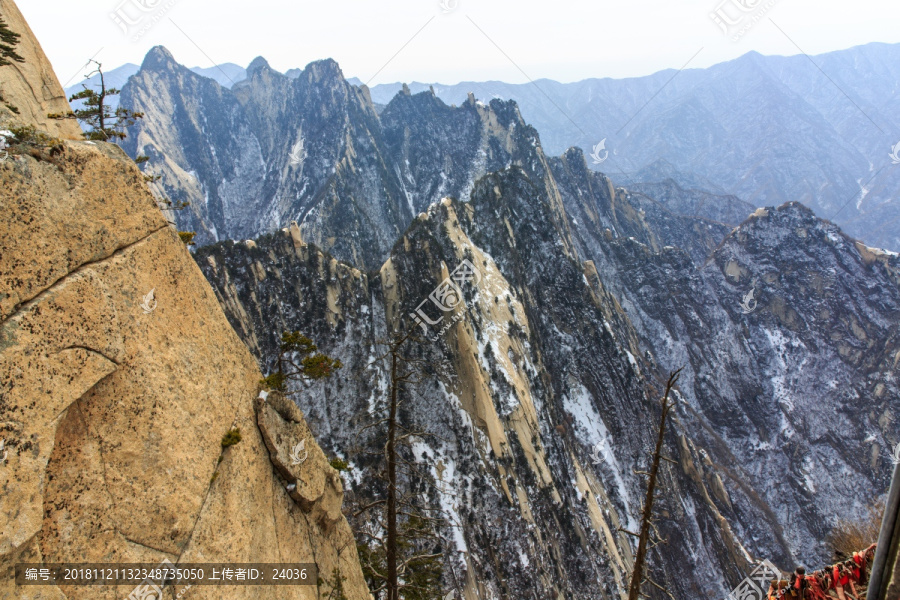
31 86
311 481
119 376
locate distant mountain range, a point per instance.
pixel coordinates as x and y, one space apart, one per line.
767 129
226 74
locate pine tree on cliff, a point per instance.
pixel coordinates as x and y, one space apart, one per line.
105 124
300 361
8 41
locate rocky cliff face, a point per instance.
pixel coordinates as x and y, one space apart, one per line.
31 87
540 366
119 376
583 303
788 334
312 149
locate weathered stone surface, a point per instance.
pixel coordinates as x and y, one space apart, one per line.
48 229
113 403
311 481
31 86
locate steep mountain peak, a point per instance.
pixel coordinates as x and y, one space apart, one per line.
323 71
790 220
507 112
574 157
405 100
787 215
256 65
793 234
159 58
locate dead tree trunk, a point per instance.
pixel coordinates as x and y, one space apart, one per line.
402 522
637 576
393 587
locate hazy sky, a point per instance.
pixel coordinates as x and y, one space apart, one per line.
564 40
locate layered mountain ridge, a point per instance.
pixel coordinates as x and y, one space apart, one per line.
768 129
573 323
311 148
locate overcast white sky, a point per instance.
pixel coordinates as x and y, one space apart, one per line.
566 40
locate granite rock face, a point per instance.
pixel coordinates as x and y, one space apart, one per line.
112 415
31 86
312 483
119 376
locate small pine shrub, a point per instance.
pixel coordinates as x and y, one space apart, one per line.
339 464
187 237
337 585
231 438
275 381
28 140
